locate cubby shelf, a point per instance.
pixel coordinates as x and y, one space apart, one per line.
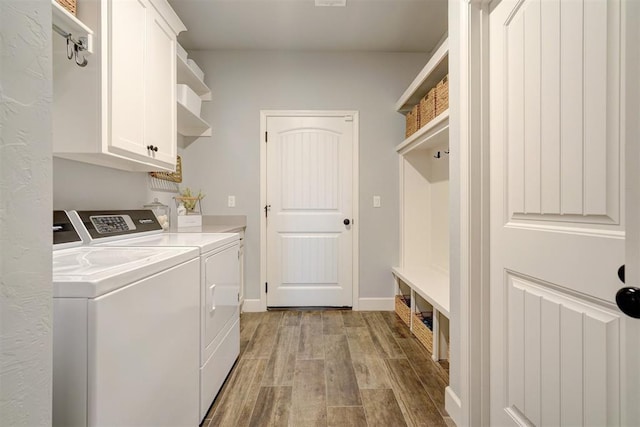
432 135
429 283
424 208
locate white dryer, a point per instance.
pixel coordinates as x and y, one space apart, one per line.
219 294
125 322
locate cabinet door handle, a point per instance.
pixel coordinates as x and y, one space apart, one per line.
149 147
155 149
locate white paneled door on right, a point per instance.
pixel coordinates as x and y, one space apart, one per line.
309 193
561 351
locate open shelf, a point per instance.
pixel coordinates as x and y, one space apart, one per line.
433 134
191 125
429 283
431 74
424 213
68 23
186 76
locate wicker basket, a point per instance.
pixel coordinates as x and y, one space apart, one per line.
424 334
170 176
402 309
413 121
428 107
442 95
70 5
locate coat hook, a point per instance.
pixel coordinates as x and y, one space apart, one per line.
73 46
84 60
437 156
70 47
446 152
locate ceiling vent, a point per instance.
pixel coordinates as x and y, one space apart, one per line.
330 3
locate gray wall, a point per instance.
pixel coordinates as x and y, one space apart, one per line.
25 213
79 185
243 83
228 163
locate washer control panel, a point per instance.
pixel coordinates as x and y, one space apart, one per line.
108 224
100 225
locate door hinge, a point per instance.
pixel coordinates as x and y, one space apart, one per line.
267 208
266 287
266 136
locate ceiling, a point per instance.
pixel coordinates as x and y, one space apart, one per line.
363 25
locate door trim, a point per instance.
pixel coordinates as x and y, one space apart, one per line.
467 396
264 114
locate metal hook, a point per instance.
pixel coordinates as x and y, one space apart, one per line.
437 156
84 60
78 45
70 49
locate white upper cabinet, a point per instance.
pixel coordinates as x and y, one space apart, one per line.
120 110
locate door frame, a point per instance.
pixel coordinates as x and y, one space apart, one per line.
468 401
467 398
264 114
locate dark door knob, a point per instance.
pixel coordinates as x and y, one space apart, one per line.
628 300
346 221
155 149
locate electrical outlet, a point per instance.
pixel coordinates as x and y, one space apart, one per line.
231 201
376 201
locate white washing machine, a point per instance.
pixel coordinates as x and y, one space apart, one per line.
126 341
219 292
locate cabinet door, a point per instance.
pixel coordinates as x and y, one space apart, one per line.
127 77
160 89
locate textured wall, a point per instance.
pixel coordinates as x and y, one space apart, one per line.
25 199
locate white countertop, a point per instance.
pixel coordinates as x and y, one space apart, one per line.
216 224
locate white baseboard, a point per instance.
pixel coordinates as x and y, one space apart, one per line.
453 405
376 304
252 305
364 304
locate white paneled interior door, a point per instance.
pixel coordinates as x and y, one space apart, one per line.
561 351
309 193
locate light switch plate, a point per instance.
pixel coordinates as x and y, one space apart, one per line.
231 201
376 201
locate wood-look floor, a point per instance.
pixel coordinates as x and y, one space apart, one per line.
330 368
